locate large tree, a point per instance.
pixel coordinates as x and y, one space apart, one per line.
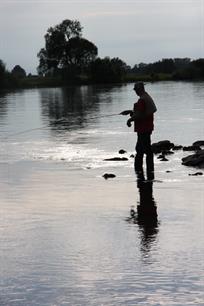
65 48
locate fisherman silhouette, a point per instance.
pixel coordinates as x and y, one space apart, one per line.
143 117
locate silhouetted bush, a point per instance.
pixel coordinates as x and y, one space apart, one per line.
18 72
108 70
6 79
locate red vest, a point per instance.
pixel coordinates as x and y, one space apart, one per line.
145 124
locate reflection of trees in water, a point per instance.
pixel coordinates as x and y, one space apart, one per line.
3 106
75 104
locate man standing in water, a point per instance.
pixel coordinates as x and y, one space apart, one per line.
143 118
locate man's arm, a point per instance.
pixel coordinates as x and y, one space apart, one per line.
137 115
138 112
127 112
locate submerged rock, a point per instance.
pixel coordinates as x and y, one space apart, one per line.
194 160
164 145
116 159
109 175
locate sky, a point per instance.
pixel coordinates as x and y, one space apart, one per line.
134 30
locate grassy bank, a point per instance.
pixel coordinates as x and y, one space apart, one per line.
39 81
132 77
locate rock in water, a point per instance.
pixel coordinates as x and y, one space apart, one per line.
132 211
177 147
194 160
116 159
109 175
191 148
164 145
195 174
122 151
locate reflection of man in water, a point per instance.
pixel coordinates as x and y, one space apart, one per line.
146 212
143 118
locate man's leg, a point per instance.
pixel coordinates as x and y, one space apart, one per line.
139 153
149 156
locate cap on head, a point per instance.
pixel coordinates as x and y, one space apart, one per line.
139 86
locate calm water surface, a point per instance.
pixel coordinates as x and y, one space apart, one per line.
66 233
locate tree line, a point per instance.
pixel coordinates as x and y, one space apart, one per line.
177 68
69 58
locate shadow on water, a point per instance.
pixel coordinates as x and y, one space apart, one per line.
145 216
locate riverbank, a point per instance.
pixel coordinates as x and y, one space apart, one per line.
47 81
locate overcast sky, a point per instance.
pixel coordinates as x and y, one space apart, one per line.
135 31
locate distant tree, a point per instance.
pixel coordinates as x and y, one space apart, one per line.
65 49
2 68
7 80
163 66
140 68
18 72
2 73
108 70
181 63
199 65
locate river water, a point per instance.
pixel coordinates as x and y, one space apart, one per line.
66 233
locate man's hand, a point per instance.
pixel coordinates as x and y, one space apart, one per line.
129 124
126 112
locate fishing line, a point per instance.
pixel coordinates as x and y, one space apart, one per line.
26 131
34 129
58 120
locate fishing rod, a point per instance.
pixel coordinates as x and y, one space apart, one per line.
123 113
104 116
62 119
